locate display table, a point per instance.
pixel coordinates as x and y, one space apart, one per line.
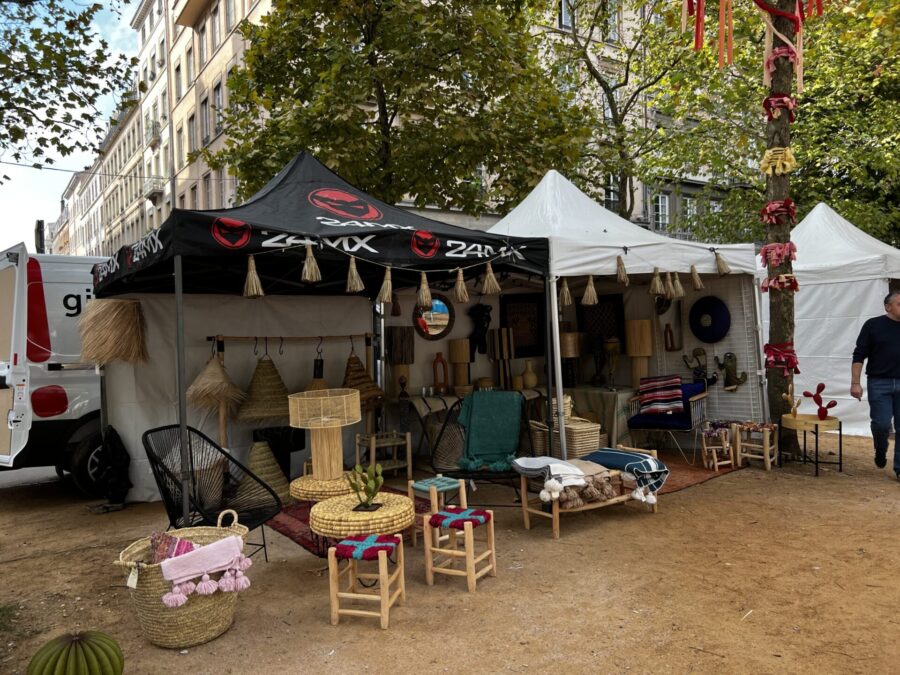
812 423
335 518
311 489
610 408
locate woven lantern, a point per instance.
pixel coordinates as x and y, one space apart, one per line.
639 346
266 396
459 360
324 412
570 351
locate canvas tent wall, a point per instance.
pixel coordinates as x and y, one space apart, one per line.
844 275
586 238
205 254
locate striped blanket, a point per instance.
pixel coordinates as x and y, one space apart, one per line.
661 394
647 470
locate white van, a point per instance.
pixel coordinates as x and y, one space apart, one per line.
49 399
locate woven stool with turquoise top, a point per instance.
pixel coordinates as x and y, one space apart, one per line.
387 589
459 520
437 489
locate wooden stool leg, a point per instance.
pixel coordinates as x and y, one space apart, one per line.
384 588
523 495
402 565
354 574
409 459
555 514
412 497
766 459
462 494
333 586
490 543
470 556
373 451
428 538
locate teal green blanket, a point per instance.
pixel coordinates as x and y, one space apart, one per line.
492 421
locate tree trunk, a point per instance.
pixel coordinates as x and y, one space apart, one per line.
781 303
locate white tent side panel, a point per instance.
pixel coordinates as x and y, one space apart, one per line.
143 397
827 321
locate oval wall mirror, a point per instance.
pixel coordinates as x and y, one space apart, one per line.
437 322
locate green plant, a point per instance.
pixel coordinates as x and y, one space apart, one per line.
366 482
89 653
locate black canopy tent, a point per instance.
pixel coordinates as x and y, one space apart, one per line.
305 204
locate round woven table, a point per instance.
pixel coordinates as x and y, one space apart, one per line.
335 518
311 489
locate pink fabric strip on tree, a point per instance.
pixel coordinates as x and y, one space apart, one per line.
772 255
774 104
774 210
782 355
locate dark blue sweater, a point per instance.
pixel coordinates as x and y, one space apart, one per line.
879 342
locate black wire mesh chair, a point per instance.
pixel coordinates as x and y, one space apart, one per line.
218 482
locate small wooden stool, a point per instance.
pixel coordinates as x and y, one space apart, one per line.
454 519
387 439
375 547
716 449
754 440
436 488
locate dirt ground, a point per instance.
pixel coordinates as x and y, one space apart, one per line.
751 572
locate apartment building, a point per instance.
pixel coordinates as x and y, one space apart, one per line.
122 213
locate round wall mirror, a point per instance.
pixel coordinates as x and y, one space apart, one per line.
434 323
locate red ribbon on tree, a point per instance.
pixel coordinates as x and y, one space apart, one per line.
774 104
782 355
783 282
774 210
772 255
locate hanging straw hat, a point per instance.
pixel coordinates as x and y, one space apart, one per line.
113 330
263 463
371 396
266 396
213 386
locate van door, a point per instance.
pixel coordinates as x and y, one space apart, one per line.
15 416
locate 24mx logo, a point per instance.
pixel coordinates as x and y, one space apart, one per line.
460 249
348 244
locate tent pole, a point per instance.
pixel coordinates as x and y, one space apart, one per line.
557 369
182 398
548 358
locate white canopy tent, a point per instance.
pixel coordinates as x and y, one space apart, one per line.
586 238
843 274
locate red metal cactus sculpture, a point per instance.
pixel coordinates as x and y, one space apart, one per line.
822 412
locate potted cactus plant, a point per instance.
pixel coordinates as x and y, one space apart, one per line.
366 483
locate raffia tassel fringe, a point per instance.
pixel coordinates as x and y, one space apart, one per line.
656 284
460 292
669 288
311 273
252 285
565 295
695 279
424 298
721 266
676 285
354 281
490 285
621 274
778 161
590 293
385 295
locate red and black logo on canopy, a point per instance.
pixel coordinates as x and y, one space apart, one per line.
343 204
425 244
231 233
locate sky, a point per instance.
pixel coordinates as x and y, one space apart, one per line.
33 194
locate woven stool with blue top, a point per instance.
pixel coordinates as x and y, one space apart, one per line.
437 489
441 559
373 547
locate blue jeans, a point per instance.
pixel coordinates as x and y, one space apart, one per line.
884 403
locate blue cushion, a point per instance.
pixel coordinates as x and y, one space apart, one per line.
674 422
689 390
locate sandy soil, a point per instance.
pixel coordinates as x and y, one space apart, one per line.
750 572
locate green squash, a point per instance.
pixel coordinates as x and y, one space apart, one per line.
89 653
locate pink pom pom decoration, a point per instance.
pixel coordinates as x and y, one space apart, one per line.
207 586
174 599
226 583
241 583
244 563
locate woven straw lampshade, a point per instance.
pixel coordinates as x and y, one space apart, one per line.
356 377
213 387
324 412
639 346
267 397
570 345
113 330
263 463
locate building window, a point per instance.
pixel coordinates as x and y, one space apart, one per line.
689 210
661 211
214 32
164 107
161 53
715 205
207 193
181 201
193 196
229 14
201 45
217 104
204 121
611 193
179 148
189 67
566 14
192 133
220 188
611 29
178 88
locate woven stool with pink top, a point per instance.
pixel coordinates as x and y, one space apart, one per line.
387 589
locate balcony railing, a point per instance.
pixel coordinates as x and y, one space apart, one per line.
152 133
153 188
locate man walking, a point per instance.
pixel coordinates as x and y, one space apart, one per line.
879 342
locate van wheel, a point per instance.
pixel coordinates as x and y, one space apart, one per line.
88 464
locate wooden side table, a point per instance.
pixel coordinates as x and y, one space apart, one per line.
812 423
335 518
394 440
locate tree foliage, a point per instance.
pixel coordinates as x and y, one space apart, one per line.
53 68
445 102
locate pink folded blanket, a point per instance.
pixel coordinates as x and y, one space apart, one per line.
220 556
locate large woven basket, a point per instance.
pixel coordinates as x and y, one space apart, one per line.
203 617
582 438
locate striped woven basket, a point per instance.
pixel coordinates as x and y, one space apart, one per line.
582 438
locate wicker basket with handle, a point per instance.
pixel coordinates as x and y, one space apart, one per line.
203 617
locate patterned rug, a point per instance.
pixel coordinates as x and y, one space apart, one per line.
293 523
684 475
